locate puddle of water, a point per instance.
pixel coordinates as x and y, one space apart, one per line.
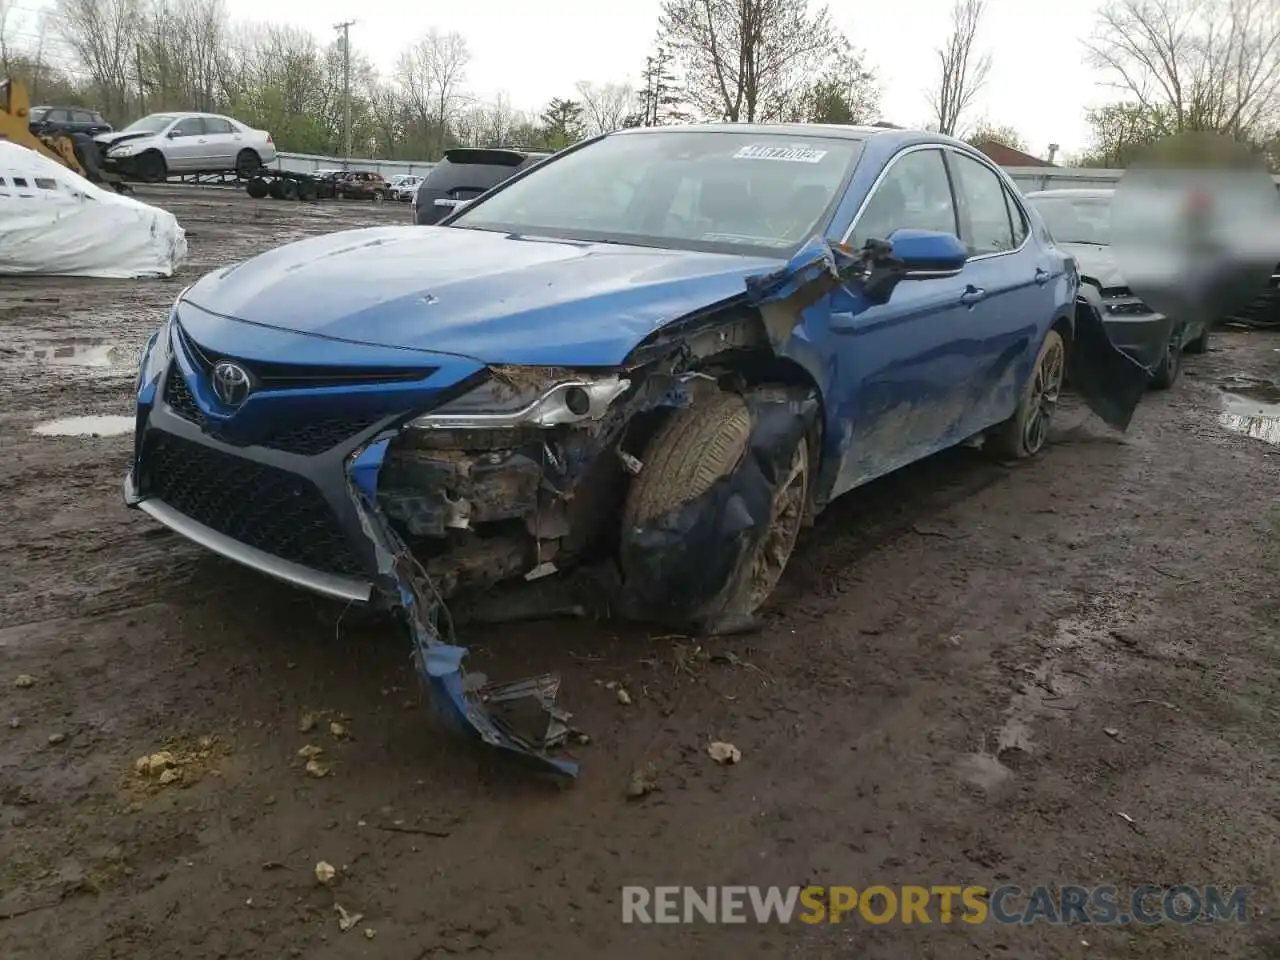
96 355
1252 409
101 425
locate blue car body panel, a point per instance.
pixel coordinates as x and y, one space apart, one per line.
501 299
353 334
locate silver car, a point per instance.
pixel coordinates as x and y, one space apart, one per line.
404 187
162 144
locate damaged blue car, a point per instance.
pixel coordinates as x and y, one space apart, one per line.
618 383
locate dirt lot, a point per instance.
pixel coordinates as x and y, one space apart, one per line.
1067 672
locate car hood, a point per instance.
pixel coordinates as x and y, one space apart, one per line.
493 297
1097 262
117 137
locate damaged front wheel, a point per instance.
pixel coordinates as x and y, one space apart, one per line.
701 446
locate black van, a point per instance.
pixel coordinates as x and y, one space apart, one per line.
464 174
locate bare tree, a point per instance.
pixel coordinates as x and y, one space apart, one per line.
6 8
961 71
605 105
104 35
747 59
501 120
430 73
1213 65
449 60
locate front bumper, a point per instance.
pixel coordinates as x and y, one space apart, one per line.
281 506
331 585
1145 338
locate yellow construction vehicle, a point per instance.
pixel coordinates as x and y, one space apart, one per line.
76 152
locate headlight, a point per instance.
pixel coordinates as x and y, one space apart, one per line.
124 150
497 404
155 358
159 350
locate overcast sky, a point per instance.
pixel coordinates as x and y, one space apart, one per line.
538 49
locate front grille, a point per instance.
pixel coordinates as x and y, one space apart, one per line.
273 510
291 376
178 396
309 439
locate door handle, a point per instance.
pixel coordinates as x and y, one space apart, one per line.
1042 276
972 295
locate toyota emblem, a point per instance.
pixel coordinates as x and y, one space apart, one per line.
231 383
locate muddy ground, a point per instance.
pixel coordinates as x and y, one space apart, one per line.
1067 672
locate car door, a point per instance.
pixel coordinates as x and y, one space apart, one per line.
186 144
1007 286
220 146
900 365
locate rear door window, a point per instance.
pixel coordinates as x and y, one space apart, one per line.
217 125
463 181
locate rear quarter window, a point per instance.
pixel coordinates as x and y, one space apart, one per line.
475 178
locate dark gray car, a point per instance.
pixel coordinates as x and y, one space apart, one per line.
1080 221
464 174
67 120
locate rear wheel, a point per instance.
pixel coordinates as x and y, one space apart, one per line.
288 190
151 167
1024 434
694 448
248 163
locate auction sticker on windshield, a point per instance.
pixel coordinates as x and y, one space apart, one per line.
795 154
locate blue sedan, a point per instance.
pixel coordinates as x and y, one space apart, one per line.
645 363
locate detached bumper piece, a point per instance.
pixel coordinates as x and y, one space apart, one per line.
524 721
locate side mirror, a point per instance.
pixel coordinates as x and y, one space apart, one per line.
928 254
916 255
172 134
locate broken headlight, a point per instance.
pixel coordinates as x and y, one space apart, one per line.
500 403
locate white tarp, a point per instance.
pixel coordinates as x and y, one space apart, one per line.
55 222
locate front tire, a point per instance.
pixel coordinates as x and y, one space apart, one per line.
1166 373
1024 434
151 167
1200 344
694 448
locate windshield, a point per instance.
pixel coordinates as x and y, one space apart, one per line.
733 192
152 124
1076 219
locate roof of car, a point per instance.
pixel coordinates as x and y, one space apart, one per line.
1073 193
57 106
835 131
183 114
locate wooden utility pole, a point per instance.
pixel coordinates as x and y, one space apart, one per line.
345 27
